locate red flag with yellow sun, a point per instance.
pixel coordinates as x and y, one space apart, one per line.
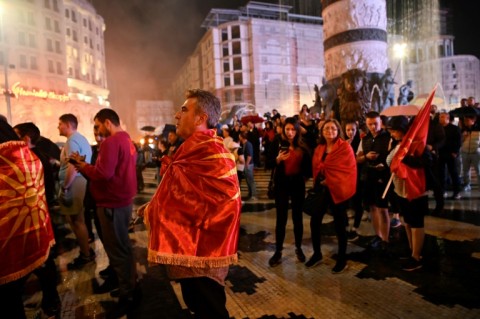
25 230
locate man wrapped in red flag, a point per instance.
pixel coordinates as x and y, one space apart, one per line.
408 162
194 216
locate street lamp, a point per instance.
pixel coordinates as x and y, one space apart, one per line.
5 68
399 51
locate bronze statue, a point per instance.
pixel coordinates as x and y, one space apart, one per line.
355 97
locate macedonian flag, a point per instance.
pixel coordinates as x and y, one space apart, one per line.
194 216
25 230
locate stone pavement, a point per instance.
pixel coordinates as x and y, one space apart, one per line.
374 286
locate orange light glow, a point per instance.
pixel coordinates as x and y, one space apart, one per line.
20 91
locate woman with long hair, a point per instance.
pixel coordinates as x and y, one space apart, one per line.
335 170
293 167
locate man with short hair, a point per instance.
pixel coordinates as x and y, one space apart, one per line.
373 151
113 185
73 186
470 149
194 215
248 153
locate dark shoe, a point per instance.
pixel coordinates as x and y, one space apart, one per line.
375 243
352 235
53 308
412 264
107 272
108 285
456 196
81 260
340 267
300 255
123 308
276 259
115 293
395 222
313 261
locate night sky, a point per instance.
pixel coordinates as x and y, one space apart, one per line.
147 41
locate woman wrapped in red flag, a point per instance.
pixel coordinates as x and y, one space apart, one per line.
334 164
412 210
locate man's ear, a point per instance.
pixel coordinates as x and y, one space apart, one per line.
202 118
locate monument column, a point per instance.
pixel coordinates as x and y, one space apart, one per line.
355 36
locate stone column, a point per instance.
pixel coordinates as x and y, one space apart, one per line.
355 36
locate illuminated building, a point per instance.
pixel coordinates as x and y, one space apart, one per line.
261 54
56 57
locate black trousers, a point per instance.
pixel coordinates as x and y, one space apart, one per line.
294 189
204 297
339 212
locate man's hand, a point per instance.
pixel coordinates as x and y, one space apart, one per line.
141 210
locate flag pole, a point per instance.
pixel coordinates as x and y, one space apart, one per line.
388 186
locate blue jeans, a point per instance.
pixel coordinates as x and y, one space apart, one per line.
114 222
469 160
248 173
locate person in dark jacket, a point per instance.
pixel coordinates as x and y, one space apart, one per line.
448 154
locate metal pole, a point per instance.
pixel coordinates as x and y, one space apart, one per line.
5 71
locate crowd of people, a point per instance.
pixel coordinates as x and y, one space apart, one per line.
193 218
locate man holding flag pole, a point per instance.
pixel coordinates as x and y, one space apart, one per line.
409 163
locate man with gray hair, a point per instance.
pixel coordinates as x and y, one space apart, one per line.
194 216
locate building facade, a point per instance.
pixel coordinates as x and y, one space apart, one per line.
53 59
261 56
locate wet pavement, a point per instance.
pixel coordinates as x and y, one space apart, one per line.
374 286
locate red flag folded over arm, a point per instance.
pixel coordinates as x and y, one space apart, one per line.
413 143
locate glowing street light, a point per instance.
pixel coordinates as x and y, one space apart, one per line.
5 67
399 51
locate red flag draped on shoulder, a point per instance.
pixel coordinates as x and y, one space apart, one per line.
413 143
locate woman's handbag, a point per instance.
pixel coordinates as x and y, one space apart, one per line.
314 197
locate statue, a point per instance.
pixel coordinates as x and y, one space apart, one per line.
405 94
355 97
238 110
386 87
317 106
327 95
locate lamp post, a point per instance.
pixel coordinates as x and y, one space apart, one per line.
400 50
5 68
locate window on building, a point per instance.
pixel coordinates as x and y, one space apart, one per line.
91 44
23 61
441 51
49 45
236 47
46 4
238 95
67 13
68 32
70 71
58 48
59 68
48 24
33 63
237 63
57 26
84 22
226 65
31 41
74 35
227 96
226 80
96 30
74 16
238 78
21 38
225 49
51 67
235 32
21 16
89 25
31 18
55 5
224 34
453 66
